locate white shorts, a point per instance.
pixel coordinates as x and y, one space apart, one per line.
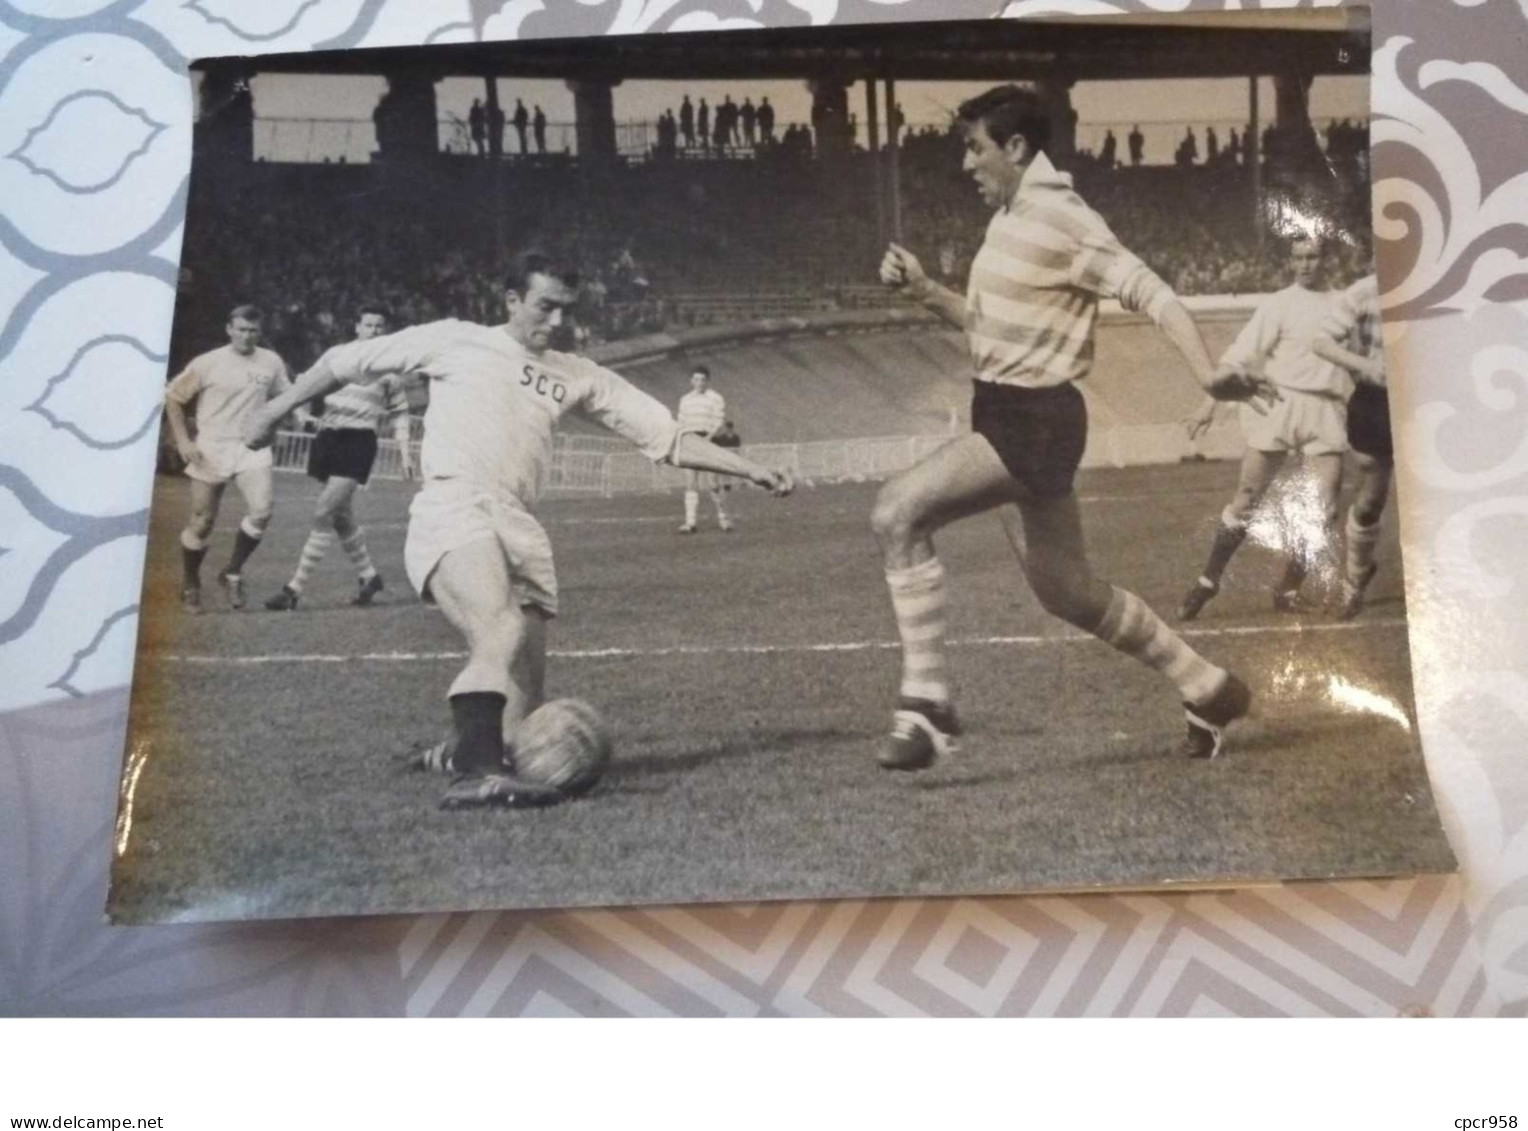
1302 422
450 513
223 460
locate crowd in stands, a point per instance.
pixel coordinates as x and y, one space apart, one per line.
660 241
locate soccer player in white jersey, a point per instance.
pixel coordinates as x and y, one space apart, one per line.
702 411
1310 418
473 546
229 386
341 458
1351 337
1029 314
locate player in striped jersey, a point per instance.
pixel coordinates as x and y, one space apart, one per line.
228 386
702 411
341 458
1351 337
1029 314
1310 419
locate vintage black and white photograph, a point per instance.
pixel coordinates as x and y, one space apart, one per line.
909 459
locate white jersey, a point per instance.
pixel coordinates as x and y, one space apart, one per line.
702 412
494 403
228 387
1279 337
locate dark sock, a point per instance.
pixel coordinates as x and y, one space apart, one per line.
191 567
1294 574
243 546
1228 540
479 720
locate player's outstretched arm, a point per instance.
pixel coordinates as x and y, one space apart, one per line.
1366 369
695 451
261 427
900 269
1226 383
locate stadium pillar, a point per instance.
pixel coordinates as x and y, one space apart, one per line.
405 117
1252 147
1297 136
225 126
873 126
494 114
594 118
830 116
894 161
1056 91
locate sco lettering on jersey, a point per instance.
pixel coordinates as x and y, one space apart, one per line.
543 384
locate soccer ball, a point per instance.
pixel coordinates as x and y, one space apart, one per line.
562 744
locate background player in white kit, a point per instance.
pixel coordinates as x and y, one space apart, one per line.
342 455
702 411
1310 418
473 546
1351 337
229 386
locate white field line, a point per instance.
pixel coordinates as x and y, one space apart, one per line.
665 519
758 649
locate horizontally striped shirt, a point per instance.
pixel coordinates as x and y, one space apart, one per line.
1354 321
1277 340
702 412
367 406
1032 300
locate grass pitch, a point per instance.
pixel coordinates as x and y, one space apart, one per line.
747 679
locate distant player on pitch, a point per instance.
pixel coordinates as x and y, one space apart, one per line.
1310 418
341 458
473 546
703 411
1029 313
1351 337
229 386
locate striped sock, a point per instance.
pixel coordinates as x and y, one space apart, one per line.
354 544
1363 541
918 599
313 551
1131 627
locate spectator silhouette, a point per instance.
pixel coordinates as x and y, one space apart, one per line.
522 121
477 126
749 115
687 122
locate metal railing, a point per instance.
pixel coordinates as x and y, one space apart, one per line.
596 466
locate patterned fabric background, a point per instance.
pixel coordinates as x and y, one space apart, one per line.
94 146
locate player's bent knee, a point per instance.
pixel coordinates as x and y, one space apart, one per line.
894 517
256 522
1060 597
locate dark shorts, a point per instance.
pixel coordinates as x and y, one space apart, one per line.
1369 422
347 452
1039 434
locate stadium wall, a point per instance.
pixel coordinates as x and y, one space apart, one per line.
855 396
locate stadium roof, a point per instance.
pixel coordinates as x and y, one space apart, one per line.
991 50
